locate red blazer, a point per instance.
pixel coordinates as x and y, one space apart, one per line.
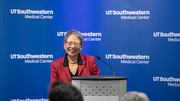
60 73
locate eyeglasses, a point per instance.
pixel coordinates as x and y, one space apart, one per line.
75 44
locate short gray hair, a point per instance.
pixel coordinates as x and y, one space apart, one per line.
135 96
76 33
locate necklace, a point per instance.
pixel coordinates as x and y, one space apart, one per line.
72 62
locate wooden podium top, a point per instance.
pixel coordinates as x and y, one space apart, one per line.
98 77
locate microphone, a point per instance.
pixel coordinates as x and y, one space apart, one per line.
99 58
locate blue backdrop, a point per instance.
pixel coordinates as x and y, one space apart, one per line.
140 39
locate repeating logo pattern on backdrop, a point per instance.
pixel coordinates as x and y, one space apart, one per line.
28 99
33 14
129 59
87 36
171 36
171 81
33 58
130 15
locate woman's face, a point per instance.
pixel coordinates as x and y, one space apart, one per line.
71 49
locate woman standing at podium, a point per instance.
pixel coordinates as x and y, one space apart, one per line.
73 63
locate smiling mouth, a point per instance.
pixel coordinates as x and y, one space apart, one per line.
72 50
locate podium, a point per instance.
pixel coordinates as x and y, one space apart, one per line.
101 88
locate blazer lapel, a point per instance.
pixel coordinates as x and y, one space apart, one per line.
80 69
66 70
82 63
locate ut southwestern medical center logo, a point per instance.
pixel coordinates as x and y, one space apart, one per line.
33 58
29 99
129 59
171 36
170 81
33 14
87 36
130 15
